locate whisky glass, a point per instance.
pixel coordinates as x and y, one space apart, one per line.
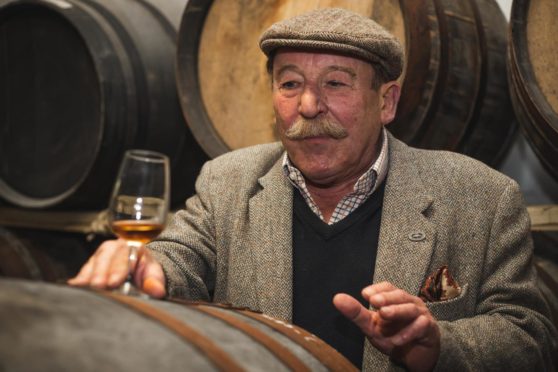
139 205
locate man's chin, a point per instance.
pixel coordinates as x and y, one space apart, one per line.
320 178
316 168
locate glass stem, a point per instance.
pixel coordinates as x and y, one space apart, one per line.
134 247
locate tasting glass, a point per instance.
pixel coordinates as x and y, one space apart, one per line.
139 204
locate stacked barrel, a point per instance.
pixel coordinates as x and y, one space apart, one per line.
83 81
533 75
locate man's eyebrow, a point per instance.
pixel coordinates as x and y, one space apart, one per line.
289 68
331 68
347 70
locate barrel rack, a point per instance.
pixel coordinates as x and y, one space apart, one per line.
544 217
87 222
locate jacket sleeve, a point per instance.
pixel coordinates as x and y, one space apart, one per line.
511 330
186 248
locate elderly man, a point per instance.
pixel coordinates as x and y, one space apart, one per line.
301 229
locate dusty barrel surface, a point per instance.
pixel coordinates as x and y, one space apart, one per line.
83 81
59 328
533 66
455 94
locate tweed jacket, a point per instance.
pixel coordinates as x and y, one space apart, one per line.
233 243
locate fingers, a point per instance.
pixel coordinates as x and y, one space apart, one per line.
416 330
104 265
109 267
385 294
400 313
84 276
119 269
402 326
396 307
387 322
106 268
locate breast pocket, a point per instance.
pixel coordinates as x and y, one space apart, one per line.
456 308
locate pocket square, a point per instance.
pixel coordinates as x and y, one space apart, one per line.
440 286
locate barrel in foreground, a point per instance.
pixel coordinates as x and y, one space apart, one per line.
52 327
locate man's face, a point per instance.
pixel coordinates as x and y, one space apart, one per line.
329 91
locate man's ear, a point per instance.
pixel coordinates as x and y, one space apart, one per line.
389 98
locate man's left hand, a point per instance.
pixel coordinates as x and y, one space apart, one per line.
401 327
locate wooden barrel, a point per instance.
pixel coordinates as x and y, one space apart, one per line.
43 255
533 65
455 94
58 328
547 271
83 81
546 263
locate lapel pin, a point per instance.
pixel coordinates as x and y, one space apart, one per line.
417 236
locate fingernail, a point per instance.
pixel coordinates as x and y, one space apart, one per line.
113 279
387 311
398 340
377 299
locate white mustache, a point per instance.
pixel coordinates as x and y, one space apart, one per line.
303 128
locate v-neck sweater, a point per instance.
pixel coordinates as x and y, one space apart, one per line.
331 259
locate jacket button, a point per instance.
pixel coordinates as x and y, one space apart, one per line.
417 236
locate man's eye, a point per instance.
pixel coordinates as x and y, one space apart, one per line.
289 85
336 83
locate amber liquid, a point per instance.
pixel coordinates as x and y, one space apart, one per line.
137 230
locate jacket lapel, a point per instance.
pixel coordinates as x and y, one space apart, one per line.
407 236
270 238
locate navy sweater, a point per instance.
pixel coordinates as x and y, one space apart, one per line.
329 260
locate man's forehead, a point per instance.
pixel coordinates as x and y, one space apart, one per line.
325 57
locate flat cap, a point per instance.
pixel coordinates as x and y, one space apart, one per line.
337 30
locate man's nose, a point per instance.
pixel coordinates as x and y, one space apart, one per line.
311 103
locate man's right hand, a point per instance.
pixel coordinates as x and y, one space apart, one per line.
107 268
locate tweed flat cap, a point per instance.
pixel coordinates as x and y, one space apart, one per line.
338 30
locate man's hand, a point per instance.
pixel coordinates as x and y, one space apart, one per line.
108 268
402 327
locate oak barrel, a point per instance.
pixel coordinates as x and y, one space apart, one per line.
546 263
42 255
533 66
455 93
547 271
83 81
58 328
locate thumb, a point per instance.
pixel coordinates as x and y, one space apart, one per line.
154 287
354 311
151 278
